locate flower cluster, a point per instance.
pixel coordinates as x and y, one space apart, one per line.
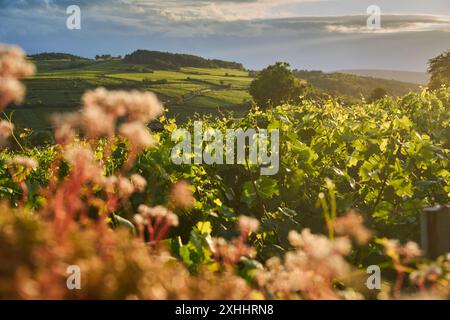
310 271
13 67
231 252
102 112
399 253
352 225
181 195
154 223
113 265
6 128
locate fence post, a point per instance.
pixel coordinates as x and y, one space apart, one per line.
435 231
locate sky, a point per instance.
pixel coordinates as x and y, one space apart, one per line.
309 34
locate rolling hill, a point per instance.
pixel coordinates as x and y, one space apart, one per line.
60 83
351 87
186 84
420 78
166 60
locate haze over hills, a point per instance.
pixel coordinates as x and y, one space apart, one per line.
420 78
352 86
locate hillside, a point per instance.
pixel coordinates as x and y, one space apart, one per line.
421 78
186 90
351 86
166 60
55 56
60 83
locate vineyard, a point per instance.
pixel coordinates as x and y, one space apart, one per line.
352 182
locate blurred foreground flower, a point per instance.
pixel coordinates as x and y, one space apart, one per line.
181 195
13 67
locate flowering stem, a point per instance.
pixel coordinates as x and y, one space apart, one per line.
9 118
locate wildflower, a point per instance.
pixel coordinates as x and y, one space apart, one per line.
6 128
138 182
97 123
309 270
424 273
109 183
352 225
107 101
247 224
83 161
181 195
144 210
11 90
231 252
157 220
411 250
138 219
136 106
124 187
172 219
65 125
143 107
138 135
13 66
26 162
79 153
13 63
396 251
392 248
158 211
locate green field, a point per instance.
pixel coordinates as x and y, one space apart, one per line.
59 85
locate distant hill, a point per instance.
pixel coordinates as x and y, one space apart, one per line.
353 86
55 56
166 60
421 78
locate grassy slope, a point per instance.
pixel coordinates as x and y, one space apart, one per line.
59 85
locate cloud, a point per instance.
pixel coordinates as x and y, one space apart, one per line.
394 24
173 10
254 32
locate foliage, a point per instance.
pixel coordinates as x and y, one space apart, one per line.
377 94
55 56
387 159
166 60
439 68
275 85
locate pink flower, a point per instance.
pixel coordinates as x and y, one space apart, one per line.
181 195
138 135
11 90
5 129
138 182
247 224
29 163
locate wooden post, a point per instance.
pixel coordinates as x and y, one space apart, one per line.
435 231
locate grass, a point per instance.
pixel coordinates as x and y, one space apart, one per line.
59 84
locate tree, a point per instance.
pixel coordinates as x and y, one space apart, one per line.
439 69
377 94
276 85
